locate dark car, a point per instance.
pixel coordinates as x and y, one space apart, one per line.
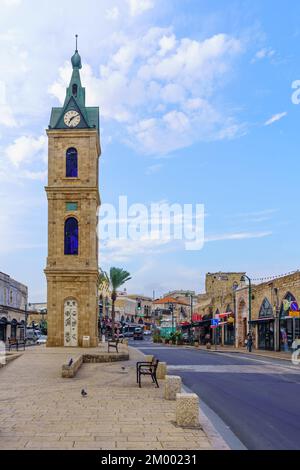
138 333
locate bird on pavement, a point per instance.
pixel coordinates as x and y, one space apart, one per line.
70 362
83 393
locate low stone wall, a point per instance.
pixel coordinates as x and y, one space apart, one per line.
92 358
71 371
8 357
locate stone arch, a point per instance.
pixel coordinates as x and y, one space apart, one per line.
71 322
288 297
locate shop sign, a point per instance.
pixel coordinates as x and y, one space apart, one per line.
294 313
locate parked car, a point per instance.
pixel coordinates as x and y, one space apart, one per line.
32 335
42 339
138 333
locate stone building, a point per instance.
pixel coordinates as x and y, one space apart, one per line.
171 310
13 305
73 200
218 301
275 314
37 313
274 318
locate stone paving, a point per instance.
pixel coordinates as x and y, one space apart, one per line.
41 410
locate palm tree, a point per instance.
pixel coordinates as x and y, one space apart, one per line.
117 277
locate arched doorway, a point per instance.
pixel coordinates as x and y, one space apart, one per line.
13 329
265 326
70 323
229 327
3 327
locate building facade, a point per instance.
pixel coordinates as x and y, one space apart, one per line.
274 314
13 308
73 201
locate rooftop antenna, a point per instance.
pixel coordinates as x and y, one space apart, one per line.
76 36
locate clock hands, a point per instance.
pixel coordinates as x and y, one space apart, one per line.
73 117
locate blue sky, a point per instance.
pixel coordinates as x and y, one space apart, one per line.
195 105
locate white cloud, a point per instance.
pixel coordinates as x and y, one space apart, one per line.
6 113
237 236
160 89
26 149
136 7
152 169
275 118
112 13
10 2
265 53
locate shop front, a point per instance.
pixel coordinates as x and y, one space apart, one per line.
289 322
265 331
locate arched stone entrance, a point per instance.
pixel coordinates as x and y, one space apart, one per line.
70 323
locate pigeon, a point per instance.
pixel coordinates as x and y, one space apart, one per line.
70 362
83 393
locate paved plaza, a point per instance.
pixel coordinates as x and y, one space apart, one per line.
41 410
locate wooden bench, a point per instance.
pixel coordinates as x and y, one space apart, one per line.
147 368
113 344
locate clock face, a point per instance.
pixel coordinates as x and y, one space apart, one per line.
72 118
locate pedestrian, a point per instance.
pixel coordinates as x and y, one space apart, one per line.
296 343
249 342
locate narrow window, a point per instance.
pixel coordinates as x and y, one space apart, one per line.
71 163
71 236
74 90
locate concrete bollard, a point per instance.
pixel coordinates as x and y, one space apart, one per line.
172 386
161 371
187 410
149 358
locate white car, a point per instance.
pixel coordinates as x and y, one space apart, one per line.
42 340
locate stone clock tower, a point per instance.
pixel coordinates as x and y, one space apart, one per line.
73 200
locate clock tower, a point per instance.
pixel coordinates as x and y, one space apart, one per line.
73 200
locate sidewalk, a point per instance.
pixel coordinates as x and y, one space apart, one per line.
256 352
41 410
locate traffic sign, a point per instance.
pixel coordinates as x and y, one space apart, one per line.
215 322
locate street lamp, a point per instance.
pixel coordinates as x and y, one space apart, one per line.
243 279
171 309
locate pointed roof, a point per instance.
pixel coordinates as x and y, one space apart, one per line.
75 100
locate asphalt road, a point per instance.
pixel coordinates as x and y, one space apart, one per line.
258 398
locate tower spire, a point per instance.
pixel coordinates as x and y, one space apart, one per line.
76 59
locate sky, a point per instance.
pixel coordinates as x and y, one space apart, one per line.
197 106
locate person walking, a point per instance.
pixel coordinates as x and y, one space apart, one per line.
249 342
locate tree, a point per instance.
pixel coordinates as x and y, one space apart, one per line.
117 277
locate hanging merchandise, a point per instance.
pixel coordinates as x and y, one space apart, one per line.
286 305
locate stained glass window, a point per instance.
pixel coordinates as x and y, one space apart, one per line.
71 236
71 163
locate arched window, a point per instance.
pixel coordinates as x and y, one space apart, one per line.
74 89
71 236
286 304
71 163
265 309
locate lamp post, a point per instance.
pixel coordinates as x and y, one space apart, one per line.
243 278
171 308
